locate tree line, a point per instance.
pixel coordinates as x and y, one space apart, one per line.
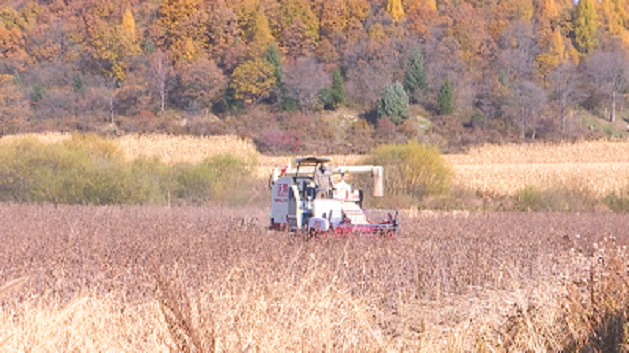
270 69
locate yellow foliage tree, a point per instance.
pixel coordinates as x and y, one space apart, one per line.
181 27
291 10
556 54
333 15
246 11
586 24
129 36
358 9
253 80
613 18
395 9
262 36
376 33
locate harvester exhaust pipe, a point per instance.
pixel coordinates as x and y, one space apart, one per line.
377 182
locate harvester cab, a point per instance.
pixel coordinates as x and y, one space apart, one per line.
295 204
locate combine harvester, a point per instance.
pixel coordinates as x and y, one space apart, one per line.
296 207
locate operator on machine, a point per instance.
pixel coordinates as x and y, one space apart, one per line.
323 181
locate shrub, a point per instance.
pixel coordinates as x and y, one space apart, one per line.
617 202
530 198
275 141
222 178
412 172
89 170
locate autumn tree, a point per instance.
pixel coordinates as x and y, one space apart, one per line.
395 9
223 29
326 52
421 19
296 41
179 28
585 26
202 83
555 55
370 67
526 103
128 33
253 80
13 110
292 10
333 15
393 103
160 69
376 33
607 71
304 81
565 83
12 49
261 34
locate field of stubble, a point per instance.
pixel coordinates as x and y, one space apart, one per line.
139 279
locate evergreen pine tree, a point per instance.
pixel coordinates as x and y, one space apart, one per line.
273 58
446 98
337 91
415 79
393 103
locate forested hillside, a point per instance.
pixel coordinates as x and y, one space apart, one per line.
317 75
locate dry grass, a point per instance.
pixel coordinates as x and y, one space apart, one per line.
582 152
508 179
596 168
191 279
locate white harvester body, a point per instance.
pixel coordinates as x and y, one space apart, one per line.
295 206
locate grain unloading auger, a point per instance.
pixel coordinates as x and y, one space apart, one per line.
297 206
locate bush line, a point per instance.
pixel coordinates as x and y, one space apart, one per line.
90 170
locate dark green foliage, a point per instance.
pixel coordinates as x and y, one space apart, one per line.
446 98
149 46
17 79
91 171
415 80
334 96
393 103
289 104
38 92
77 83
273 58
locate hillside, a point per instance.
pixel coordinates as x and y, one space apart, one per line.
303 76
